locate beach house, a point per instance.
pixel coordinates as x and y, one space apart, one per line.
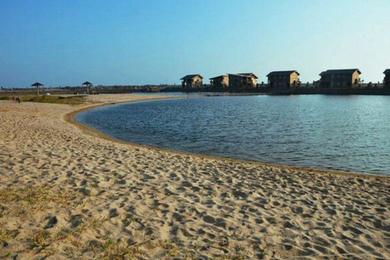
192 81
283 79
242 80
220 82
386 81
341 78
234 81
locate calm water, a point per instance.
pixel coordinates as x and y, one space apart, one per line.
338 132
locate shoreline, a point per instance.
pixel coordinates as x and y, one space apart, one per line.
71 118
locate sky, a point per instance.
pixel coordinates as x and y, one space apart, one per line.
66 42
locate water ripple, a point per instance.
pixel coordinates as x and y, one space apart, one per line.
336 132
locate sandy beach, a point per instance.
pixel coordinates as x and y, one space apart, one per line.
68 193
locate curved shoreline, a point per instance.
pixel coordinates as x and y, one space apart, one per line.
70 118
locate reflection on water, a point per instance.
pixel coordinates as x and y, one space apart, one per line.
339 132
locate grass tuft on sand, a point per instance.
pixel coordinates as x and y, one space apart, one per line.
117 250
69 100
32 198
4 236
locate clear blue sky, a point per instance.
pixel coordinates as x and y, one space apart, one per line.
65 42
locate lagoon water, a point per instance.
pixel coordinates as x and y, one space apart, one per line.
338 132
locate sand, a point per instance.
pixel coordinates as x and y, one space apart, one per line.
65 193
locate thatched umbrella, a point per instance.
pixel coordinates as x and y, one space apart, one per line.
88 85
37 85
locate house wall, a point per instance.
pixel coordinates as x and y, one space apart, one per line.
278 81
234 81
325 81
294 79
225 82
221 82
339 80
253 82
237 82
386 81
355 78
283 80
197 81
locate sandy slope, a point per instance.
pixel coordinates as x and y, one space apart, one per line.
67 194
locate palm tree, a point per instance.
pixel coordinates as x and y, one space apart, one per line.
37 85
88 85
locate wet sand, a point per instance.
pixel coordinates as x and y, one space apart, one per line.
66 192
